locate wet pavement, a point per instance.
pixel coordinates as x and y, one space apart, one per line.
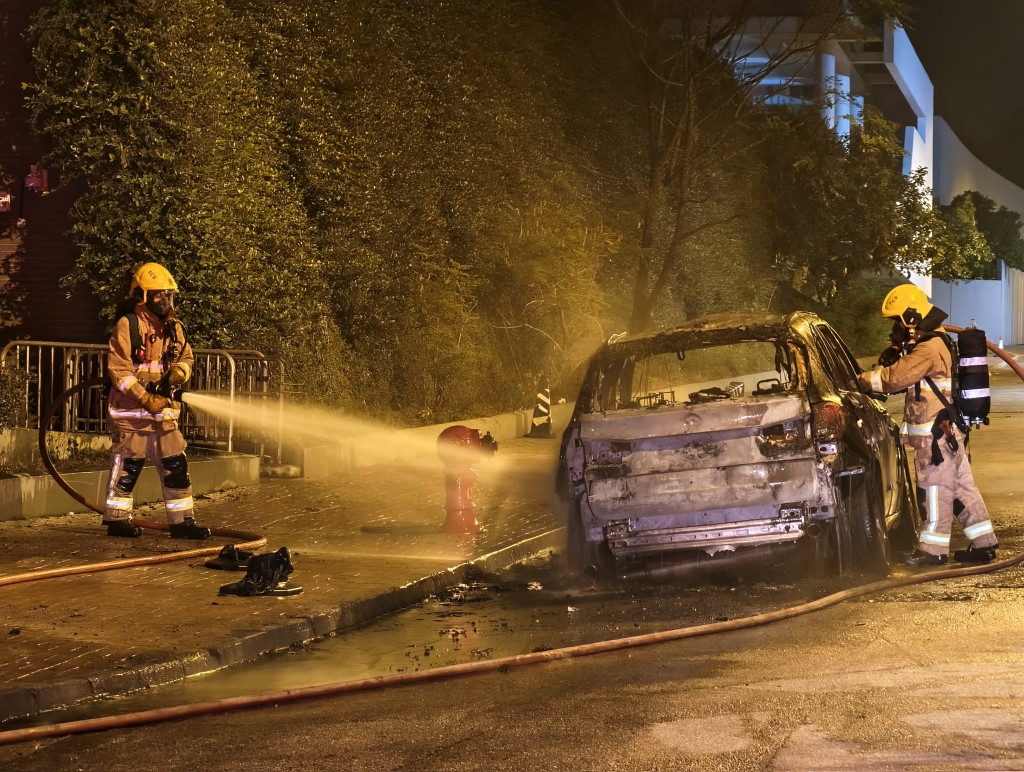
364 543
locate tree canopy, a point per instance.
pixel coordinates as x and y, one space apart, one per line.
975 234
837 208
427 208
707 96
364 186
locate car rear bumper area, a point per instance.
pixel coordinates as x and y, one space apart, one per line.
642 492
764 559
626 541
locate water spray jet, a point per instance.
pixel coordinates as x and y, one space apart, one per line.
349 440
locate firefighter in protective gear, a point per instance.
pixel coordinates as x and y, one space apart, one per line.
148 349
940 455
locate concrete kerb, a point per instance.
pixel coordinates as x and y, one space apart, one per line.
33 700
27 496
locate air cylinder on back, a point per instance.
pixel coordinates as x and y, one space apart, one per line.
975 398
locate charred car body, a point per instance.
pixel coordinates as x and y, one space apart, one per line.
727 442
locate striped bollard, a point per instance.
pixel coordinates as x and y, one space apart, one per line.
542 413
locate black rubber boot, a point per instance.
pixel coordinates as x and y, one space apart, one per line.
975 555
122 528
922 558
188 530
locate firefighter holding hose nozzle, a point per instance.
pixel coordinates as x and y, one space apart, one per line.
920 361
148 363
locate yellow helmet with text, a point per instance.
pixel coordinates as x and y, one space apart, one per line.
907 303
151 277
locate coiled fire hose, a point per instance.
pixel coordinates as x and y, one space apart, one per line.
251 541
320 691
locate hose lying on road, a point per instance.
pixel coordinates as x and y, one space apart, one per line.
251 541
255 541
484 666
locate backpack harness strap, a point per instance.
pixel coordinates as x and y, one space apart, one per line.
138 347
949 415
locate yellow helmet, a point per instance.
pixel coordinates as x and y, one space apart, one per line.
908 303
152 276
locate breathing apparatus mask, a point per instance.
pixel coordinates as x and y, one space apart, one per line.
160 302
899 335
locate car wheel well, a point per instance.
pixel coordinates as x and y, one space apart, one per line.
582 556
857 538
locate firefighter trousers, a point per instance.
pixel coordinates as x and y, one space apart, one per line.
165 447
943 484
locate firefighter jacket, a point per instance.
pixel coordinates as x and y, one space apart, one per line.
161 343
929 357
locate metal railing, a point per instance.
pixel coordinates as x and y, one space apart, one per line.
243 377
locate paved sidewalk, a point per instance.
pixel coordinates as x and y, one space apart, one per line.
363 544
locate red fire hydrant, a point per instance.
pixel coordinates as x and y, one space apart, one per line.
459 447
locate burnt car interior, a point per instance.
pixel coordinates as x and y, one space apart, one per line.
655 377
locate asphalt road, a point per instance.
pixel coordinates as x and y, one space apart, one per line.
927 678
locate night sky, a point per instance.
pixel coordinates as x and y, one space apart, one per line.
973 50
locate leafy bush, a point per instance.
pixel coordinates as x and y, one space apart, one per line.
857 314
12 396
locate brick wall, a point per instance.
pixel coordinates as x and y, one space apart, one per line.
35 256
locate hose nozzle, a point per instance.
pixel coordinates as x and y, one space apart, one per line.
164 389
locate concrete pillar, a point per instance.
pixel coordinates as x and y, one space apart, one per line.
857 109
843 107
826 84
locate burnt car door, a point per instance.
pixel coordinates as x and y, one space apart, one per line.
879 430
872 434
868 477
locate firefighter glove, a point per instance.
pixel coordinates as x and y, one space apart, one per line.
889 357
176 375
153 403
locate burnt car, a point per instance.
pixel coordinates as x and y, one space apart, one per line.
731 442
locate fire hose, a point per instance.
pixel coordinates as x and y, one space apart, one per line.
320 691
251 541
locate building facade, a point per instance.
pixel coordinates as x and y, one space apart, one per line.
996 306
889 75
